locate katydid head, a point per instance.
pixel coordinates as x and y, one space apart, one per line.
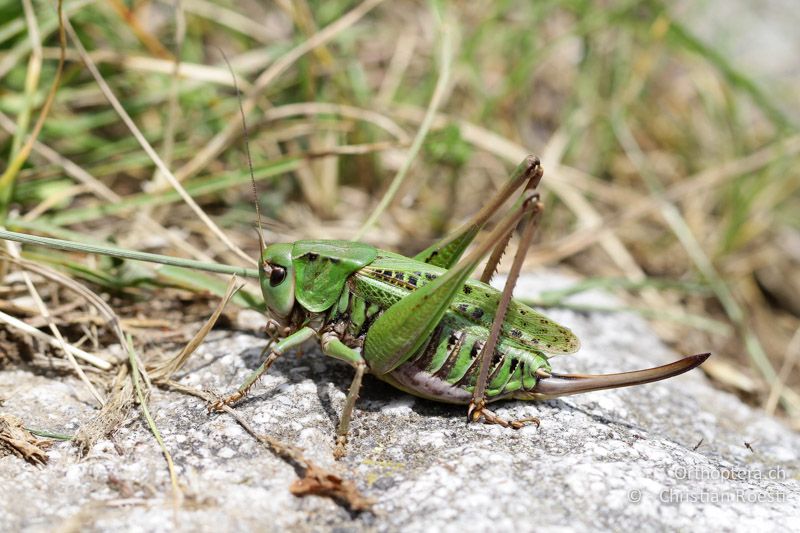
276 275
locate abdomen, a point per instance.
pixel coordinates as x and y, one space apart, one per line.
447 366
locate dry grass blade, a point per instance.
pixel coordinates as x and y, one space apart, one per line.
32 74
98 303
62 344
193 73
33 332
350 149
133 360
168 175
404 51
163 372
168 147
513 152
113 413
346 111
227 17
587 215
120 398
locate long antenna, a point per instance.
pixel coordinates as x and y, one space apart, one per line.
71 246
246 135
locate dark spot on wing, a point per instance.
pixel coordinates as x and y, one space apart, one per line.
412 281
452 339
476 347
516 333
312 256
477 313
398 275
467 289
463 308
430 276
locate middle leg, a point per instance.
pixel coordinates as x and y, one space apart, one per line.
333 346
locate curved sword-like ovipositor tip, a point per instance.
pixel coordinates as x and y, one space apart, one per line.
565 384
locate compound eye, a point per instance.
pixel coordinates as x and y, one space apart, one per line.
277 275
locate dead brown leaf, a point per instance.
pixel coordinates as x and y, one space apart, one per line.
16 440
320 482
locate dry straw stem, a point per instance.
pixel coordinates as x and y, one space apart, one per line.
113 411
163 372
91 298
145 37
401 59
675 220
71 168
149 149
191 72
229 18
177 494
587 236
168 147
35 333
513 153
552 156
379 120
72 285
702 181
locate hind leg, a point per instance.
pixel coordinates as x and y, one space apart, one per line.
477 408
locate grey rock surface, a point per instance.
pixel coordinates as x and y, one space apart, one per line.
621 460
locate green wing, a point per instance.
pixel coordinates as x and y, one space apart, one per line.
523 325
